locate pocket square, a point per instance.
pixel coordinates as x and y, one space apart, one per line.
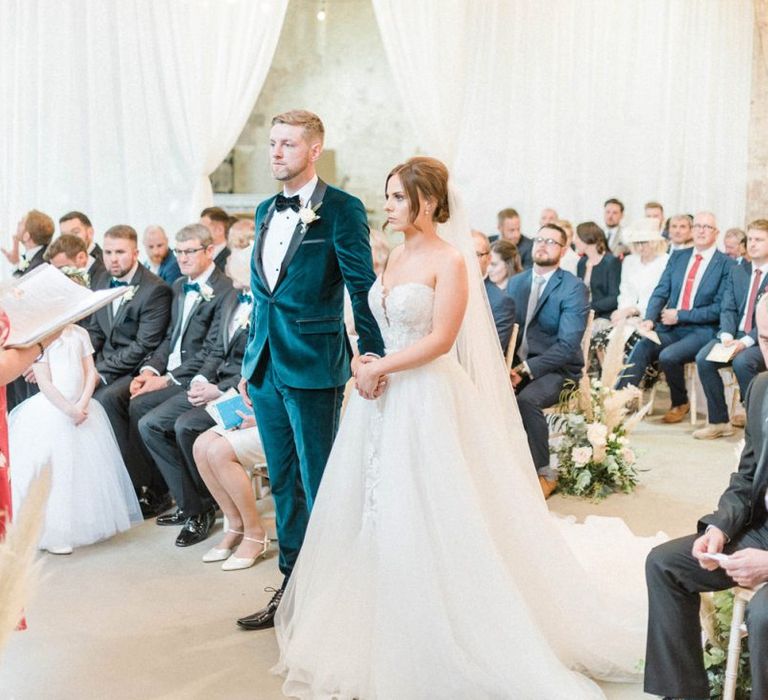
314 240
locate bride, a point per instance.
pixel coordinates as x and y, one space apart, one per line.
431 567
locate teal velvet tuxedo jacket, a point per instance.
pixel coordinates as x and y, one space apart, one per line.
300 323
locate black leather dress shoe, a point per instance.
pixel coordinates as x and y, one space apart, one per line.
153 504
265 618
175 518
196 528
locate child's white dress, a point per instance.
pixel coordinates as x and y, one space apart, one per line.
91 497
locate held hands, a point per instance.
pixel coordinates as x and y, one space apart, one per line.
79 412
732 342
369 382
200 393
515 378
711 542
146 382
669 317
748 567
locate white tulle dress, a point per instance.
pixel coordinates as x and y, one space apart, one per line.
91 496
431 566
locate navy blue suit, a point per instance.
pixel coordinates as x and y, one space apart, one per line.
749 362
554 335
695 327
503 310
169 269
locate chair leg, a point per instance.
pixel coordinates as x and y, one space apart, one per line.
691 375
734 648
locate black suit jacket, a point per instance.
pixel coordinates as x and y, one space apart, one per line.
224 368
503 310
200 334
604 283
221 259
98 274
525 250
122 342
743 503
37 259
97 253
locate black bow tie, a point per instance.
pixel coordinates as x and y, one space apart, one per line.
282 202
117 283
191 287
244 297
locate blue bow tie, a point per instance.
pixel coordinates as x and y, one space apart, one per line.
244 297
282 202
117 283
191 287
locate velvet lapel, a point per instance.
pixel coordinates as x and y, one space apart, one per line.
300 231
258 249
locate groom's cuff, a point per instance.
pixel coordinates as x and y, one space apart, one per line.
372 354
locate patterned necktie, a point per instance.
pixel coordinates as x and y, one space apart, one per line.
282 202
191 287
117 283
244 297
749 321
689 280
533 300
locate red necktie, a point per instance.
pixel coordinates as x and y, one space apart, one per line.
686 303
752 300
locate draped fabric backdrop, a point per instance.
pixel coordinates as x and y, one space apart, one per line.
567 103
122 108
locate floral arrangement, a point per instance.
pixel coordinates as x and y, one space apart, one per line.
593 452
716 615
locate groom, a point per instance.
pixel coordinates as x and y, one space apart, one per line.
311 242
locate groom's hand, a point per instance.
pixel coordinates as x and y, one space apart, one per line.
711 542
242 388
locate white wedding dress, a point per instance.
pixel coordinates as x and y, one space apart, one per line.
431 566
91 496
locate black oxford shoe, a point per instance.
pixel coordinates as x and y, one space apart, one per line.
196 528
265 618
175 518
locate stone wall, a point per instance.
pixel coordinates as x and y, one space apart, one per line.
757 168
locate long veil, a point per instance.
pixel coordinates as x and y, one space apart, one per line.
583 583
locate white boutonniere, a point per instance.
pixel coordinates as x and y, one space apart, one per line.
308 215
243 318
206 292
130 293
23 265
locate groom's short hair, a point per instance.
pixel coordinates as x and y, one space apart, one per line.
309 121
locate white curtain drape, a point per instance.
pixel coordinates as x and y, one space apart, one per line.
122 108
566 103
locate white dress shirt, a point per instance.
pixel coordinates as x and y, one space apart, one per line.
747 340
174 359
706 259
280 233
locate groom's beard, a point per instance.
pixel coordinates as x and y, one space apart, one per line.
282 172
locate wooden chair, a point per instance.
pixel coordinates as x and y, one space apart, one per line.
741 596
691 378
511 347
586 340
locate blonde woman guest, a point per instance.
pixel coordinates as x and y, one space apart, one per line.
241 234
570 260
505 263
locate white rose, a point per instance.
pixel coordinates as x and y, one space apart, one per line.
581 455
597 434
628 455
307 216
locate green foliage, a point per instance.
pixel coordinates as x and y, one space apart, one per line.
716 650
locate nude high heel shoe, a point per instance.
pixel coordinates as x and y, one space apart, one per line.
235 563
216 554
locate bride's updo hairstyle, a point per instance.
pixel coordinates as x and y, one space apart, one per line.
427 176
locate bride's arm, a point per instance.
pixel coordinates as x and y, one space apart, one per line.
451 290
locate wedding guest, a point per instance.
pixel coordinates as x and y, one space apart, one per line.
679 570
190 350
217 221
680 232
77 444
503 263
69 250
570 260
735 245
746 284
241 233
641 271
547 216
654 210
549 342
684 309
598 269
34 232
222 456
123 334
613 213
508 222
78 224
160 259
502 305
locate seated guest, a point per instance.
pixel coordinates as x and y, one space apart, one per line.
547 216
746 285
552 307
570 260
685 311
71 251
176 377
680 232
509 230
217 221
33 234
78 224
123 334
502 305
679 570
735 244
221 458
641 271
503 263
160 258
598 269
241 233
654 210
613 213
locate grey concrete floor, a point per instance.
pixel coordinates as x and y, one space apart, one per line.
137 617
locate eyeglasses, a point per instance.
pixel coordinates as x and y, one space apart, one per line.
189 251
546 241
482 255
706 227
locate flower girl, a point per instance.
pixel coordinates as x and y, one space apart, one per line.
91 497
